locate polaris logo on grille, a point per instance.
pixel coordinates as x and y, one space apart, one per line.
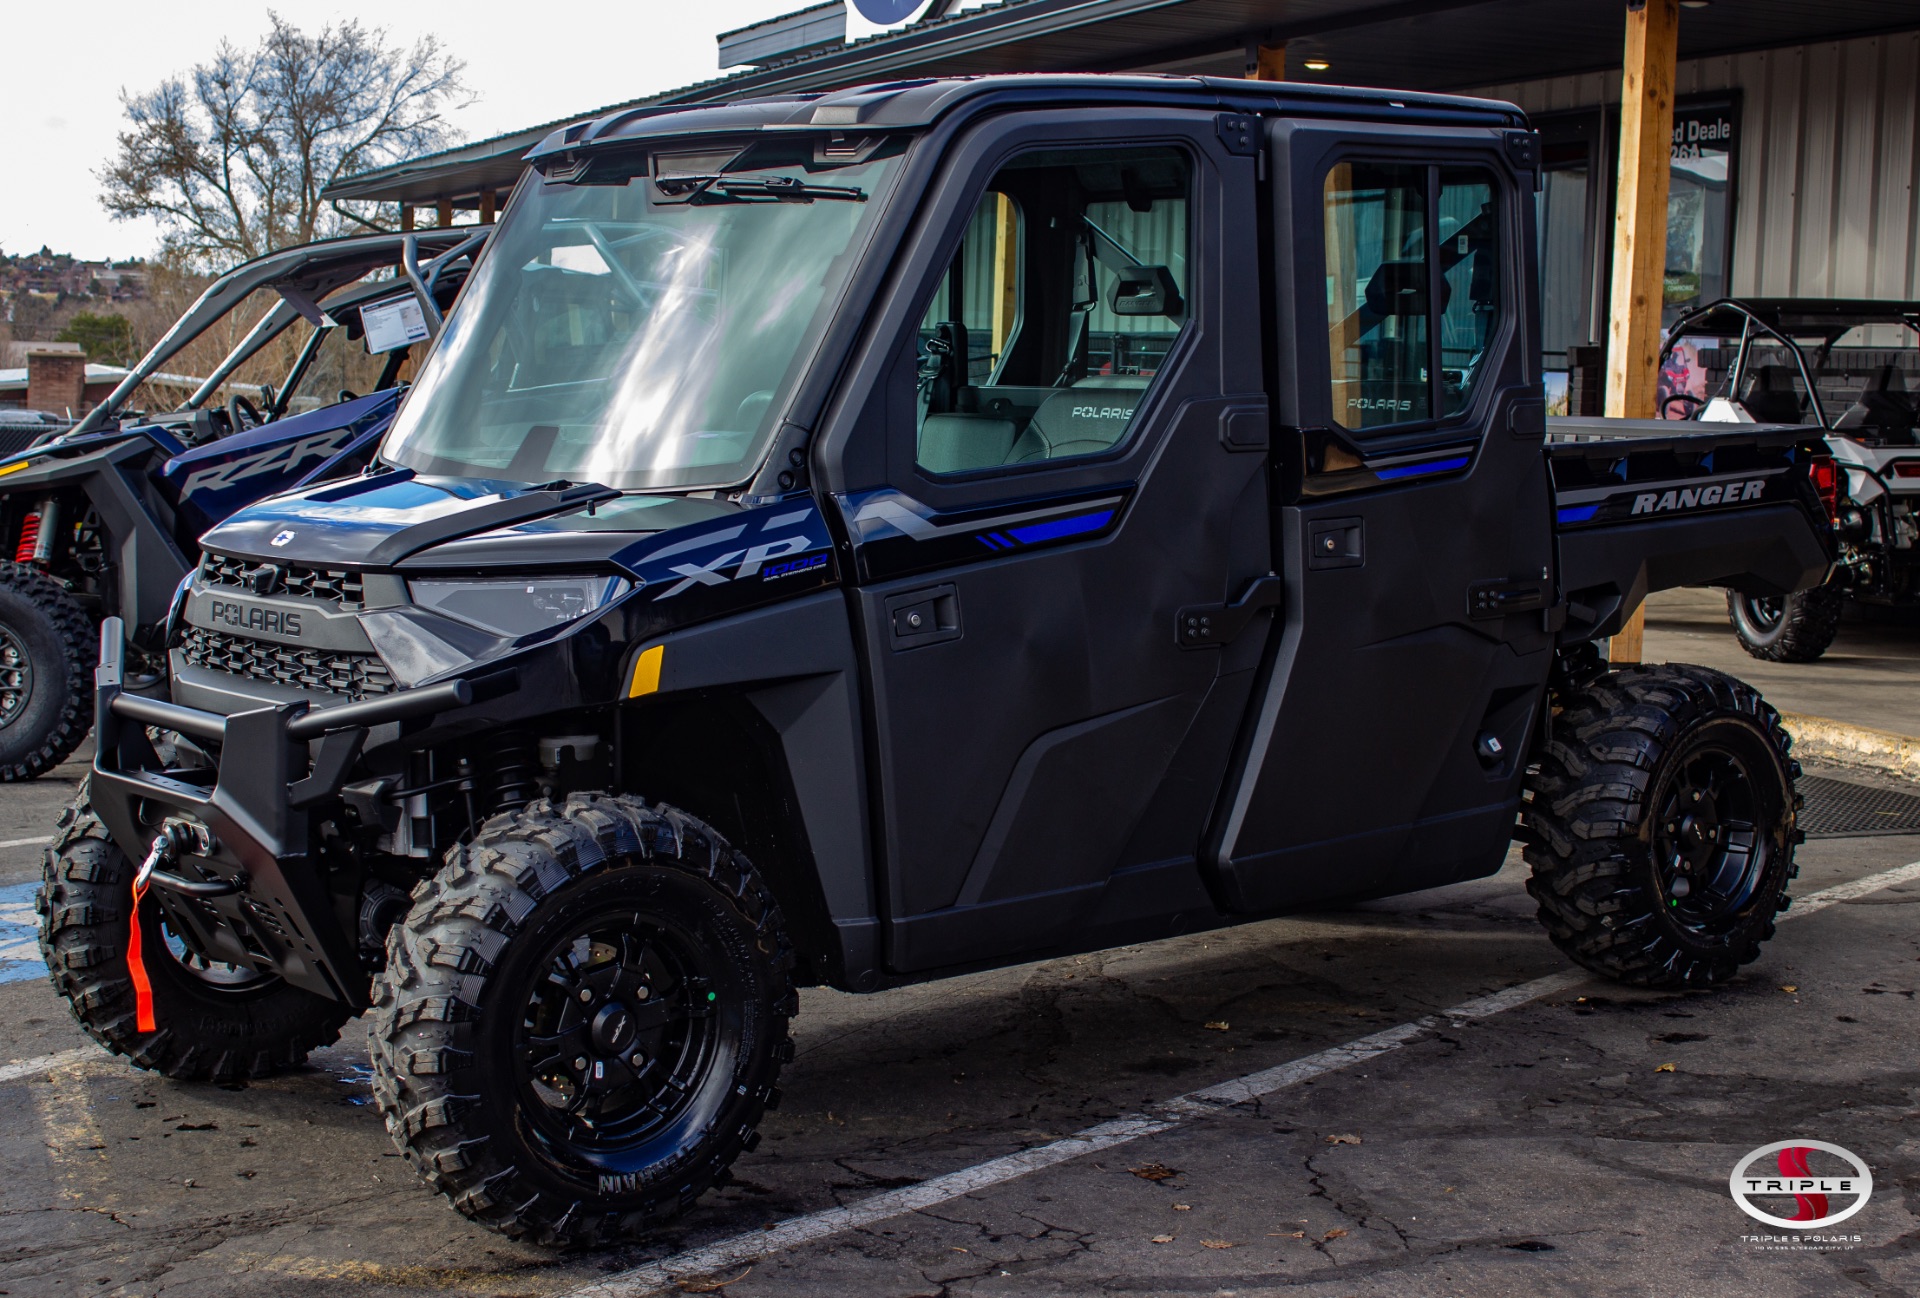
247 617
1720 493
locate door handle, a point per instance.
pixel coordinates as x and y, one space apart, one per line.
923 617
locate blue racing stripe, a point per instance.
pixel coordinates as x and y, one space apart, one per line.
1417 470
1055 528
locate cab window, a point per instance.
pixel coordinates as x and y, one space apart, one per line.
1067 292
1413 289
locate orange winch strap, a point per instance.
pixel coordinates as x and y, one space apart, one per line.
142 989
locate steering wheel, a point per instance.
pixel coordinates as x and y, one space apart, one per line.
1689 405
348 394
240 413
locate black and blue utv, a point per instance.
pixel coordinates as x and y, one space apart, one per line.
853 539
100 520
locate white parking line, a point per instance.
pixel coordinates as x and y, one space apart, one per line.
48 1063
742 1249
26 842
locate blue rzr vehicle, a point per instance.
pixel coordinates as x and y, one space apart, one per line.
99 519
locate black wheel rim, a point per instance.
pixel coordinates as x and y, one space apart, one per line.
16 677
1764 611
1709 850
618 1038
212 973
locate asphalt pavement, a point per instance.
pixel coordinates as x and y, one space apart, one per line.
1869 677
1410 1097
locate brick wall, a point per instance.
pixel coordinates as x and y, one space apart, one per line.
57 381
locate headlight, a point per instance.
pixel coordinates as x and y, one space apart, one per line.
517 606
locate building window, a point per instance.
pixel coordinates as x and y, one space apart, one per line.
1699 205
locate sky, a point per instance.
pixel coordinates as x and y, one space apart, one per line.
60 97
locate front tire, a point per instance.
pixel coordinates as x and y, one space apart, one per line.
47 655
1660 823
213 1023
582 1019
1794 628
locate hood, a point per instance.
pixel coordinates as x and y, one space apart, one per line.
394 518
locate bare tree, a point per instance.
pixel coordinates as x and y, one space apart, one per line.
233 156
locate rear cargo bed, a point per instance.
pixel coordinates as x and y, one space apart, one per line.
1645 504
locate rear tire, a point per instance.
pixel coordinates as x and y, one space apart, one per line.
212 1022
47 655
582 1019
1794 628
1660 823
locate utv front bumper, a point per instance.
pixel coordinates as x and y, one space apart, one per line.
228 848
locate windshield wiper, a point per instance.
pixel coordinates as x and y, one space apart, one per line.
723 188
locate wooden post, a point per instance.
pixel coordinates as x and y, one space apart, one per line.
1640 234
1006 274
446 213
406 217
1267 62
486 206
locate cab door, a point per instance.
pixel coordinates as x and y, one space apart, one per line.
1384 746
1070 403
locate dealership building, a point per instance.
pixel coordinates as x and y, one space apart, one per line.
1792 169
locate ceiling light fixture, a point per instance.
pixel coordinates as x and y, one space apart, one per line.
1316 65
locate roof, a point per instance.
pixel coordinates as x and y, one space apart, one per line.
15 380
1408 44
1794 314
903 104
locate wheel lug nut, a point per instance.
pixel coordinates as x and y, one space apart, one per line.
642 994
586 994
579 1063
637 1059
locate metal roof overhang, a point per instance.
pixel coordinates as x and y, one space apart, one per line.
1407 44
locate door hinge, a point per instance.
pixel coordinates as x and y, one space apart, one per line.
1201 626
1239 132
1491 599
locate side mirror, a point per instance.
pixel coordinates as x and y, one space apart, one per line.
1145 290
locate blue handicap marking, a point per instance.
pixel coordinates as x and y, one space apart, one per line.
19 934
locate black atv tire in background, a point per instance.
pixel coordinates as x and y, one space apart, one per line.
47 656
583 1018
212 1022
1660 824
1793 628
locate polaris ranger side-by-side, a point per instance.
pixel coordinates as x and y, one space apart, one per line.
858 538
102 521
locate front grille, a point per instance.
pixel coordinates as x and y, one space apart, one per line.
333 585
355 675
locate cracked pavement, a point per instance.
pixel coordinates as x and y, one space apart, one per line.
1539 1151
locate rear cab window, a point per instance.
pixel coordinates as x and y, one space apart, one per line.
1414 293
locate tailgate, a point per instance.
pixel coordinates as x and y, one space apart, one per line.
1644 504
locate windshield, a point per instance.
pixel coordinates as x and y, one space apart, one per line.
341 368
634 326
